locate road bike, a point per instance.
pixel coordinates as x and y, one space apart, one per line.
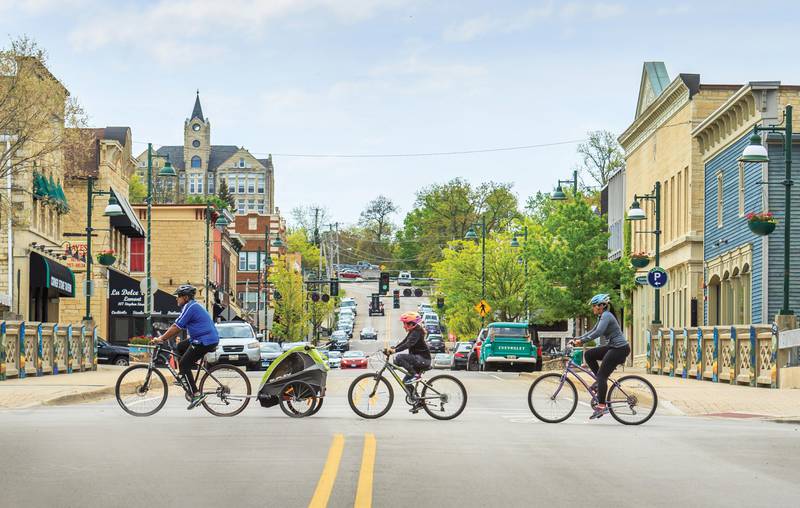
631 399
141 390
371 395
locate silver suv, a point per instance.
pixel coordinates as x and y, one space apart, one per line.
238 345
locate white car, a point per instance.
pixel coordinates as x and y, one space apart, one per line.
334 359
238 345
442 361
404 279
424 308
430 318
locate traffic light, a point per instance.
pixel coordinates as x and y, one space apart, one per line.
325 297
417 292
314 296
334 288
407 292
396 299
383 284
440 303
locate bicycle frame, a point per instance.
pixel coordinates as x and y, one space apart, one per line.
572 368
393 369
176 374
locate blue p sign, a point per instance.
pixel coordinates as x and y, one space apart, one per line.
657 277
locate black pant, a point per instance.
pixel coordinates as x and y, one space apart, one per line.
190 353
414 364
611 357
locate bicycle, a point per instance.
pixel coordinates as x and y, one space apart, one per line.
141 390
438 394
553 398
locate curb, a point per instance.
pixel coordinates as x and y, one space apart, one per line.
81 397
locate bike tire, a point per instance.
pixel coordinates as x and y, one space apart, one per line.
617 414
119 387
378 380
431 383
318 406
289 394
571 391
219 397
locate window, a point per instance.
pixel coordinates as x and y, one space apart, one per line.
252 224
260 205
240 206
196 127
248 261
137 255
211 185
261 184
251 205
251 184
196 162
196 143
182 183
741 189
241 184
242 262
199 183
241 162
719 200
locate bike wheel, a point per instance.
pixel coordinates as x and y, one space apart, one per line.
552 401
227 389
298 399
370 396
141 391
632 400
444 397
318 406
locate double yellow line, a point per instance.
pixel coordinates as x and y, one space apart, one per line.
328 478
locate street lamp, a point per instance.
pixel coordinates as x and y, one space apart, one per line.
112 210
472 235
221 223
756 152
558 194
267 263
167 171
515 244
635 213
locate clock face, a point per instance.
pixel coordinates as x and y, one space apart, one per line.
196 127
195 143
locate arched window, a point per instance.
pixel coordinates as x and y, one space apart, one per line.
714 295
196 162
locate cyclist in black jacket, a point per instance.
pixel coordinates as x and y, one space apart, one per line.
418 359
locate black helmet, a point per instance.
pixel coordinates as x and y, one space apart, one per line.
185 290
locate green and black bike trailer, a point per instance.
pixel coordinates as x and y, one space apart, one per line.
296 381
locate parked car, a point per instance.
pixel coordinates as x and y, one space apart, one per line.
269 351
442 361
341 345
404 279
338 335
349 303
433 329
334 359
112 353
354 360
509 344
430 318
474 355
286 346
460 355
369 333
346 327
347 312
424 308
238 345
435 343
349 274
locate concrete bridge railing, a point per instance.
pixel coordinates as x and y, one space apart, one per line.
29 348
742 354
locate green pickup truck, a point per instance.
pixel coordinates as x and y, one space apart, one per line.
510 344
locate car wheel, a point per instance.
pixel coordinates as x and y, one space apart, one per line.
122 361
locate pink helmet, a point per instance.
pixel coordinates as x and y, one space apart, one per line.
411 317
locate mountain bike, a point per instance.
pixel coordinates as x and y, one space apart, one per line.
141 390
552 398
371 395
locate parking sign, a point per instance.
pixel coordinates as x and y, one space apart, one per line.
657 277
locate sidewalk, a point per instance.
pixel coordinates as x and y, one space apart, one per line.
59 389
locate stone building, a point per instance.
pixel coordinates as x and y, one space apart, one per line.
202 166
659 147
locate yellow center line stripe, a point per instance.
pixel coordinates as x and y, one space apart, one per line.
364 490
323 492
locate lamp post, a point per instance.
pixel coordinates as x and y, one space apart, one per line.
515 243
220 223
635 213
267 263
167 170
756 152
112 210
558 194
471 235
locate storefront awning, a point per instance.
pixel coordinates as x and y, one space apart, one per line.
127 224
47 273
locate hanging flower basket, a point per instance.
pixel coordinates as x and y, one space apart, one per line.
761 224
106 257
640 260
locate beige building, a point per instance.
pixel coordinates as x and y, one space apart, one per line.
659 147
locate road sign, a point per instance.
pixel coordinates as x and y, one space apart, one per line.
657 277
483 308
641 280
153 285
383 267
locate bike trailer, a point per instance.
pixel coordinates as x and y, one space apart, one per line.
301 363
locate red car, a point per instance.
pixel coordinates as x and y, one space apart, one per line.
354 360
349 274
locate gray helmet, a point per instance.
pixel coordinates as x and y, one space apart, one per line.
185 290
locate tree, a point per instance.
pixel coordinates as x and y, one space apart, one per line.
290 323
214 201
297 241
311 218
601 156
225 195
318 312
567 261
137 191
375 219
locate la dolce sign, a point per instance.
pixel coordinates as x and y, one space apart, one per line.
125 301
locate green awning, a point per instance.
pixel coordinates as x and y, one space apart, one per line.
39 185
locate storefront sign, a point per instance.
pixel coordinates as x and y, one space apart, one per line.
125 298
76 256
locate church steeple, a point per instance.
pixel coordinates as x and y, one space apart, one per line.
197 112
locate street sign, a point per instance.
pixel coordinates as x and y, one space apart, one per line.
483 308
153 285
657 277
641 280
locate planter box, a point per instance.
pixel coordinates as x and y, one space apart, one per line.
106 259
761 228
640 262
139 354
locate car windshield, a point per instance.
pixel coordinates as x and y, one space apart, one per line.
464 346
235 331
349 303
354 354
334 354
442 356
368 330
289 345
433 338
507 331
270 347
338 335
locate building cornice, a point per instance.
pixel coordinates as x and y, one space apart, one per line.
675 96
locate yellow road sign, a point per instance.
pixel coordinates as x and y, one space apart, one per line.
483 308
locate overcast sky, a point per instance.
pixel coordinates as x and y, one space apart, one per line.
353 77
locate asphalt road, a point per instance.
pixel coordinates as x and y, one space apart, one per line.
495 453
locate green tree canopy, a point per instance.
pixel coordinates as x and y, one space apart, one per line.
297 241
137 191
290 322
